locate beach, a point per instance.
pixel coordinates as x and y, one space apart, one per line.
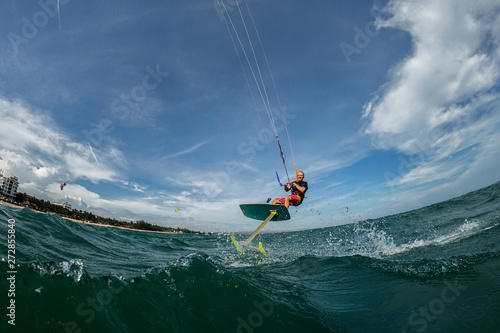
90 223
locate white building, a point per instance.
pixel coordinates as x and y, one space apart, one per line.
8 186
64 205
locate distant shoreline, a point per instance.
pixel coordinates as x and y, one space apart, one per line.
6 203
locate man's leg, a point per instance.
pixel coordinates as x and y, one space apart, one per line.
287 201
279 201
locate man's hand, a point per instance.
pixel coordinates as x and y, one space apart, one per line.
290 185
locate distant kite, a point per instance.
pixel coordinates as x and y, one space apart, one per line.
176 209
62 185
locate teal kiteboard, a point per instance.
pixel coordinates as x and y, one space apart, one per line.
264 212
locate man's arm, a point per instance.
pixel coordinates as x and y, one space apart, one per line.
300 188
293 183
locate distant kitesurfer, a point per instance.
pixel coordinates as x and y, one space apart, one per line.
298 188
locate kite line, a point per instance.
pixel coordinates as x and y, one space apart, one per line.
259 82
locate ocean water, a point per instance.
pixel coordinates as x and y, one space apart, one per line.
435 269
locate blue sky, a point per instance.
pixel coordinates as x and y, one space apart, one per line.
143 107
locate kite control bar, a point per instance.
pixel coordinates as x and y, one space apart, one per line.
296 173
278 178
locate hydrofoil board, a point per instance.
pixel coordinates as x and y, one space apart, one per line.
262 211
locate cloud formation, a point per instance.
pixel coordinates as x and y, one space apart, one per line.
438 101
36 149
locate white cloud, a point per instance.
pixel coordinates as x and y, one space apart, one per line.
445 79
428 173
186 151
33 148
441 99
134 186
32 144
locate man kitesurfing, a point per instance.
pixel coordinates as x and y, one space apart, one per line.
298 187
278 210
